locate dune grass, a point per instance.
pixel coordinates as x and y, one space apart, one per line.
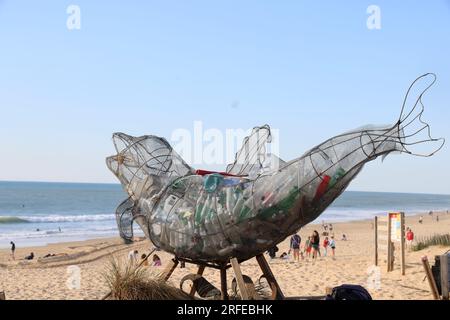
126 282
435 240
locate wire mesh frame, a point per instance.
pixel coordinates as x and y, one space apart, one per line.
386 136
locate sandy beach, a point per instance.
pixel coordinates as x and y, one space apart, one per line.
48 278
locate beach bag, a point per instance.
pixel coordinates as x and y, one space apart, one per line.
349 292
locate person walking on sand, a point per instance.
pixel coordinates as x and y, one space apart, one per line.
333 246
133 256
315 243
296 241
13 250
326 243
421 220
409 238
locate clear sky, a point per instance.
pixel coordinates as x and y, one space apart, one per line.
311 69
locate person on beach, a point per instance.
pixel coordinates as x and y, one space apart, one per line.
13 250
308 247
144 261
330 227
344 237
30 257
156 261
273 252
284 256
326 243
437 218
421 220
133 256
315 244
409 238
333 246
296 241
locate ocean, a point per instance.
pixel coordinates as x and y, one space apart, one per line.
38 213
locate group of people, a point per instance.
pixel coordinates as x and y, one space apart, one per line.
312 247
134 255
327 226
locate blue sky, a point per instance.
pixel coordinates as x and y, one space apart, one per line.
311 69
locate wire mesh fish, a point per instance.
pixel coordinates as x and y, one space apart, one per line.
212 217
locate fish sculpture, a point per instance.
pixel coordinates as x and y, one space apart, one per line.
212 217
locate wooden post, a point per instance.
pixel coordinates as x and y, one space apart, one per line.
200 271
431 282
445 266
389 244
169 269
240 279
403 239
223 283
376 240
269 276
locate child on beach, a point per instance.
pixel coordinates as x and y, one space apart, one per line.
308 247
333 246
133 256
284 256
144 260
156 261
326 243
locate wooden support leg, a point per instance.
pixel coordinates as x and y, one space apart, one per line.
2 296
432 283
240 279
267 272
169 269
200 271
223 283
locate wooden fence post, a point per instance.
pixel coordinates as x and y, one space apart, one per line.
445 268
389 244
376 240
403 239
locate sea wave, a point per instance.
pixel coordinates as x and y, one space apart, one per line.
5 220
56 218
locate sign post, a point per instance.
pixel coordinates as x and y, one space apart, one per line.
393 232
